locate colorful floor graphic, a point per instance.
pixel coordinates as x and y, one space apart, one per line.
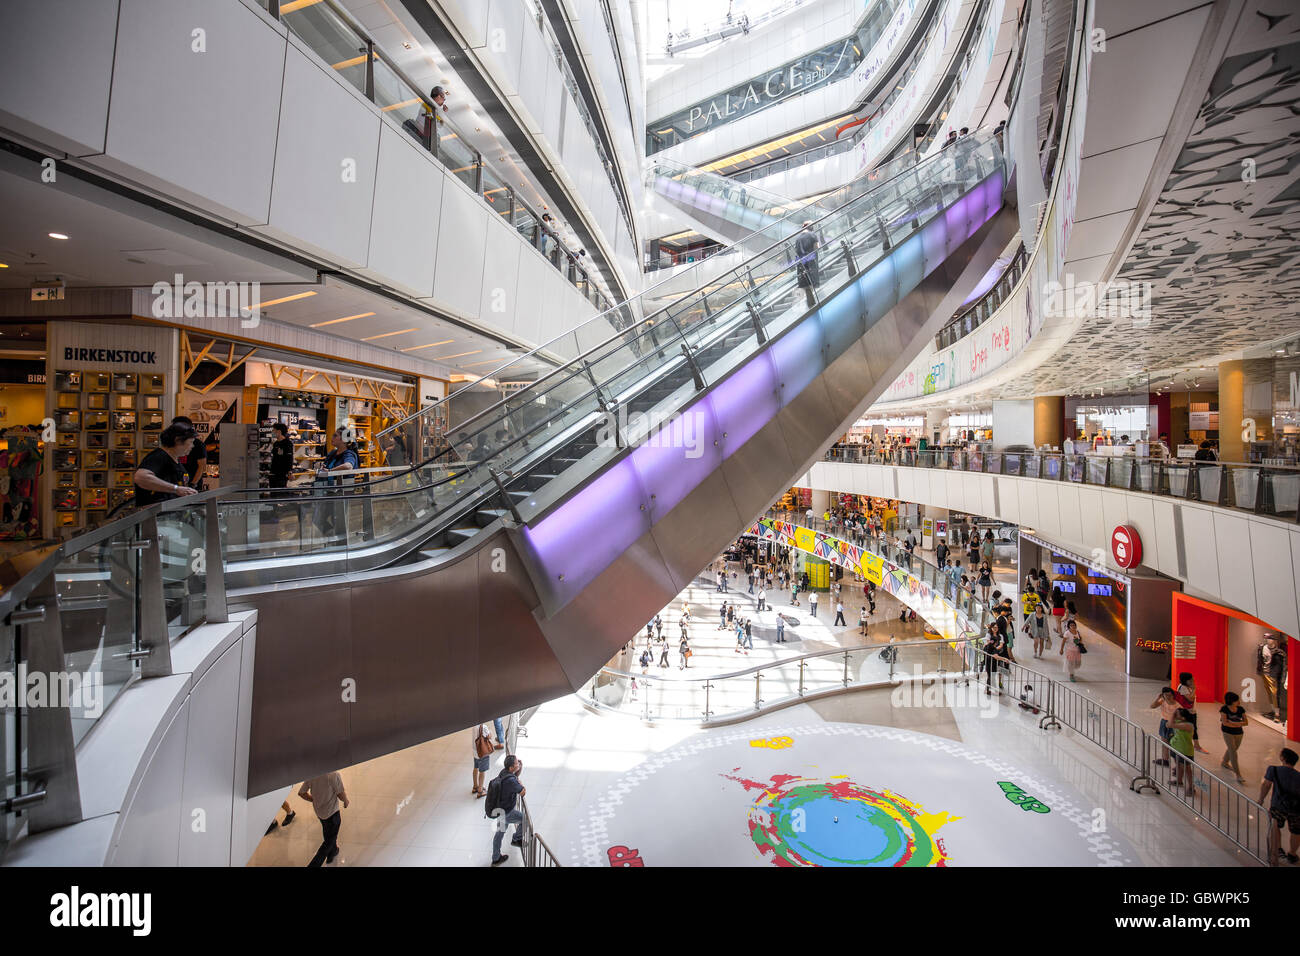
833 795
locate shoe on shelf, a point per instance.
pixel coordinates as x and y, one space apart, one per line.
499 860
288 818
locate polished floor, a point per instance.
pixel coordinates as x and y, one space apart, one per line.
959 781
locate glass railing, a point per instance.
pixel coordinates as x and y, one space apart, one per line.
334 36
763 687
980 311
1272 490
721 196
93 615
657 358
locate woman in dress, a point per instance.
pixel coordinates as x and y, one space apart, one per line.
985 581
1072 648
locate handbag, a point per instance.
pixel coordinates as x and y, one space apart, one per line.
483 746
1081 646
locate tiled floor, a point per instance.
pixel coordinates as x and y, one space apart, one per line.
414 808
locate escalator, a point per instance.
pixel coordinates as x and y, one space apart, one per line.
721 208
581 487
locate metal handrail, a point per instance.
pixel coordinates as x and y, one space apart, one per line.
1147 475
1245 823
375 52
868 186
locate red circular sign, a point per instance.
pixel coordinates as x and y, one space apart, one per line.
1126 546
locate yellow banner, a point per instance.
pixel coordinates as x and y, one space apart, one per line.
872 567
804 539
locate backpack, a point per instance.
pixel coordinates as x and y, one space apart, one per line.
492 802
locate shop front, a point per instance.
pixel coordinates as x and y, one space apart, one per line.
1228 650
1131 608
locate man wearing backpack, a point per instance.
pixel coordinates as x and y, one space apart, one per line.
1284 781
502 804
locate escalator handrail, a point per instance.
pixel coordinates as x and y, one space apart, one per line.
909 168
720 281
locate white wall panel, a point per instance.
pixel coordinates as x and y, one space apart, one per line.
500 275
147 834
553 117
506 23
404 229
457 278
1092 522
534 272
1114 511
1275 576
536 65
324 164
1236 569
198 126
56 92
1009 498
1165 540
1200 548
209 763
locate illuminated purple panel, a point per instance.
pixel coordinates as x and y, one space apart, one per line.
586 533
798 356
746 400
669 469
589 531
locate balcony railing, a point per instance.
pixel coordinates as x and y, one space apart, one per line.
330 33
1272 490
980 311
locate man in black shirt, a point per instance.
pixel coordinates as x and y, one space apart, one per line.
161 476
281 456
805 247
195 462
508 811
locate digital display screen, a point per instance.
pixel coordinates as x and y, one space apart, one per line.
1067 587
1101 590
1063 569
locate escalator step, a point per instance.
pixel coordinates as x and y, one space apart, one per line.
434 552
457 535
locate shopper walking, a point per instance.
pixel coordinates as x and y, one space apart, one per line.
1037 628
749 636
1283 780
839 615
1232 721
503 806
481 748
862 620
1180 743
684 651
780 629
1073 648
1168 704
1187 700
325 793
985 581
812 603
663 652
1058 610
762 599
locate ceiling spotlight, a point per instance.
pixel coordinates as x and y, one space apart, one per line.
57 235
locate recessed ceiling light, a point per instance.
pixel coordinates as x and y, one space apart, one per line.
443 358
384 335
346 318
57 235
287 298
416 348
5 265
